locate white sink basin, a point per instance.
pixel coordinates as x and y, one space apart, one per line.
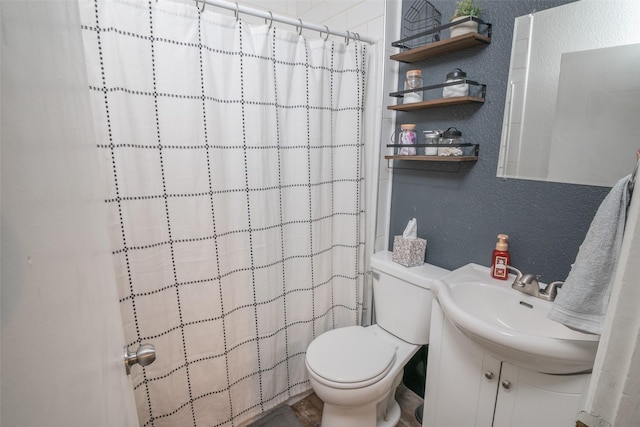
510 325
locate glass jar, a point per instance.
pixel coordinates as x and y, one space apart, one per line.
456 90
413 81
431 137
451 136
407 137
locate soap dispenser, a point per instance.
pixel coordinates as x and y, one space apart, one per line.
500 258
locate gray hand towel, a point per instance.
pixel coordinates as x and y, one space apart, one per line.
583 299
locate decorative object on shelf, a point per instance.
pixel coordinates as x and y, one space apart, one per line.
420 18
413 81
431 137
452 137
465 12
407 139
462 89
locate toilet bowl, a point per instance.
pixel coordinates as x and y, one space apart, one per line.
355 370
355 383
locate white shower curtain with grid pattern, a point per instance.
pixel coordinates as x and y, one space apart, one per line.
233 163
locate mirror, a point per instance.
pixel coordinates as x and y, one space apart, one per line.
572 111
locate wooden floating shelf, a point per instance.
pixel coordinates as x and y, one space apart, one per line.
434 158
436 103
443 46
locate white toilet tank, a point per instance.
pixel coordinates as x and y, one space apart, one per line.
402 297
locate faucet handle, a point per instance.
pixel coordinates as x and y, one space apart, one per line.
551 290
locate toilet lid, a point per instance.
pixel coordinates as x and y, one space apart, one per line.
350 355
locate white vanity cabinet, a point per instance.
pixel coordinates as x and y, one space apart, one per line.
468 387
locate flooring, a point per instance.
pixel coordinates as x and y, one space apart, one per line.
309 410
281 416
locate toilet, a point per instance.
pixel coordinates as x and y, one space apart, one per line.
355 370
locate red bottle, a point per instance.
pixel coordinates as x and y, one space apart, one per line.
500 258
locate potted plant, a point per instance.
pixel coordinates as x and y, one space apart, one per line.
464 10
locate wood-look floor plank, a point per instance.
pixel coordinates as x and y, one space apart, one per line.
309 410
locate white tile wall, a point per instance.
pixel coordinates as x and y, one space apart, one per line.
349 14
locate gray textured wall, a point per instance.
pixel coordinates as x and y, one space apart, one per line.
460 213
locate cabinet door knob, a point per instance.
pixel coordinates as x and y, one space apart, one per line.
506 384
488 375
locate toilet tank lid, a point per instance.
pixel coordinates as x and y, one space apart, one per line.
421 275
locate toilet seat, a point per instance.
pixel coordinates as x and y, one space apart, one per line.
350 357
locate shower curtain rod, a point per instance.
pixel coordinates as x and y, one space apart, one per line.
270 16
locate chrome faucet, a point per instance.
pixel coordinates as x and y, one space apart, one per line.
528 284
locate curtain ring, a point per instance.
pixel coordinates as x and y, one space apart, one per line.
270 19
326 31
299 28
357 36
198 6
237 13
348 38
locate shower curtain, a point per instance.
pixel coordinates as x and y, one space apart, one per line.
233 162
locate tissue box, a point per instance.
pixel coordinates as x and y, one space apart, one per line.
408 252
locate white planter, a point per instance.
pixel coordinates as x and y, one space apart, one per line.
463 28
